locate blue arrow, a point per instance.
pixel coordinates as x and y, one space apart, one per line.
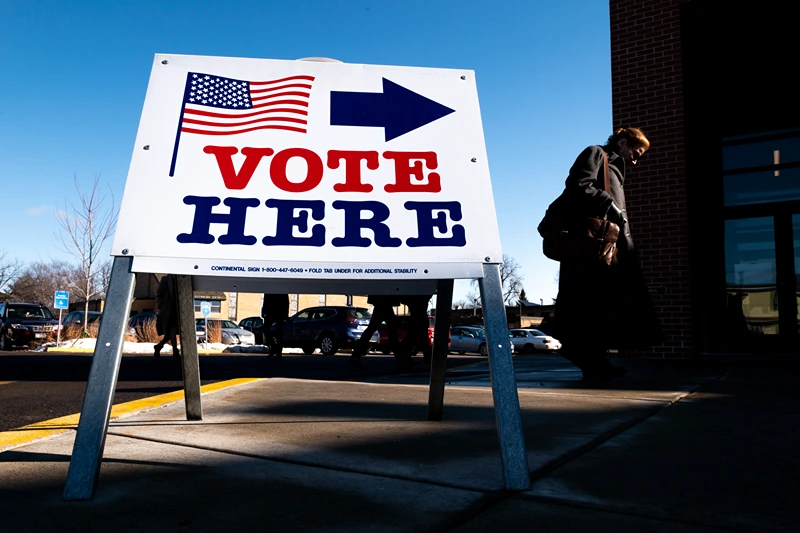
397 110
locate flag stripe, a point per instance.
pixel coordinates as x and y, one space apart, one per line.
280 102
245 115
270 127
290 78
255 121
288 86
278 95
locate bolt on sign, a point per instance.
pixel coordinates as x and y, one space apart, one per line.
309 170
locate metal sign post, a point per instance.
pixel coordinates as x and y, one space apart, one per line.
205 310
370 179
61 302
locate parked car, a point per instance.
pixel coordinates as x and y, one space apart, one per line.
255 325
531 340
465 339
403 324
230 330
25 324
328 328
139 321
75 320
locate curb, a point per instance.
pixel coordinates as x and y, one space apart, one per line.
15 438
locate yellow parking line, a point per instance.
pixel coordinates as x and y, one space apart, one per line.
50 428
5 382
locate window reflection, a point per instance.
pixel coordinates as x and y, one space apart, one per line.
759 153
762 187
761 169
796 238
752 300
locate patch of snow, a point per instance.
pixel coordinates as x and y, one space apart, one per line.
147 347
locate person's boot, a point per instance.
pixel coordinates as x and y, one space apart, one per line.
355 361
157 350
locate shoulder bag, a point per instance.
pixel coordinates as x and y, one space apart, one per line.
569 237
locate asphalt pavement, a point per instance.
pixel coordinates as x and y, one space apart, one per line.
675 446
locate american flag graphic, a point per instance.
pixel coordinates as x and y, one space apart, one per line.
213 105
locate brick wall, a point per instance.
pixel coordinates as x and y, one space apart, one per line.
647 93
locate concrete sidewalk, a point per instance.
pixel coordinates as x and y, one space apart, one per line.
672 447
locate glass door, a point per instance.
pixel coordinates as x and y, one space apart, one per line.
761 185
762 266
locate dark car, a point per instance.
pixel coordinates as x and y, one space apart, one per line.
328 328
139 321
254 324
75 320
25 324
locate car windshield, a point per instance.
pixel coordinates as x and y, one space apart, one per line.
359 313
29 312
228 324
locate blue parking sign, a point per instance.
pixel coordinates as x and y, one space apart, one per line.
205 308
61 300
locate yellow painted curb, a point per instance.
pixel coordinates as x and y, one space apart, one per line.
50 428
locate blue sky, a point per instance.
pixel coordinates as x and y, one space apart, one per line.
75 74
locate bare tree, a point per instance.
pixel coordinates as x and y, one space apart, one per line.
9 270
510 280
85 231
39 281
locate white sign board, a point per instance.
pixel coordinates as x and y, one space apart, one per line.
308 170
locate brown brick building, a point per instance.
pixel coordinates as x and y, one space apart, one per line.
715 203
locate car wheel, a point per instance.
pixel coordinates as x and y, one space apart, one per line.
328 344
528 348
308 350
4 344
482 349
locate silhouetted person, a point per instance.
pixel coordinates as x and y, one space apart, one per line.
167 317
382 311
417 337
599 306
274 311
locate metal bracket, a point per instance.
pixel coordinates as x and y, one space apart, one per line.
190 360
87 451
504 383
441 334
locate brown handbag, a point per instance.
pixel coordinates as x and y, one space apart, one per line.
567 237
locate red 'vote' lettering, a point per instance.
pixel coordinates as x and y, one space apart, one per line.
231 179
406 166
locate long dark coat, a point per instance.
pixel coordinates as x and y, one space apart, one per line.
598 305
167 305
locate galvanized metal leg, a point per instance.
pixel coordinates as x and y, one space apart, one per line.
190 359
87 452
441 334
504 383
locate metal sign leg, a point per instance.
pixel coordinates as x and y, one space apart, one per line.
441 334
84 466
504 383
190 361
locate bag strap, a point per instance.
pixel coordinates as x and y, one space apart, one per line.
606 182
